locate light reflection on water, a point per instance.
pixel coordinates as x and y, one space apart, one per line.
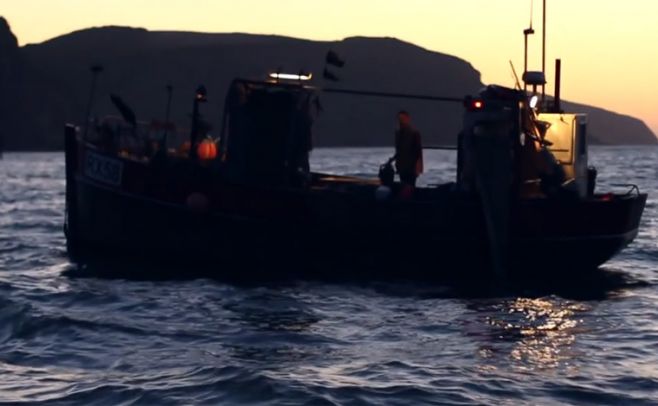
530 333
548 331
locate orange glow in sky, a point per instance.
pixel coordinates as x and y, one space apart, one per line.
608 48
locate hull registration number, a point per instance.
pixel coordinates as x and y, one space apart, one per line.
103 169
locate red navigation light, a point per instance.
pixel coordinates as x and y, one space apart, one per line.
607 197
473 104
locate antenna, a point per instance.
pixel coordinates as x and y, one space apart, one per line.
543 52
95 70
170 90
528 31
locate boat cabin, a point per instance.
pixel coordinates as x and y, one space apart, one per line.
266 132
566 136
537 154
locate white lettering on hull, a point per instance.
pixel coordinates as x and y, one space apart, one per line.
103 169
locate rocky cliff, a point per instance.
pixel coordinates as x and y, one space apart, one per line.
48 84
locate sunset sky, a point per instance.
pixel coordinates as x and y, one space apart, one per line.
609 48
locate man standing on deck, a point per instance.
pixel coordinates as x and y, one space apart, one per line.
408 150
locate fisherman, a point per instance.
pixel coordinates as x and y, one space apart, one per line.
408 150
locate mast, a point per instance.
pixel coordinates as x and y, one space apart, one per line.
170 89
527 32
95 70
558 79
199 97
543 51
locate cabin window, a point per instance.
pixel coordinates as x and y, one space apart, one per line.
582 145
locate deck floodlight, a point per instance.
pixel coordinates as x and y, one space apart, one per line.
291 76
533 101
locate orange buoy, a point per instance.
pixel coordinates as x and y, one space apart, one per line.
207 150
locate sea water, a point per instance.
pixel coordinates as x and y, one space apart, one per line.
74 340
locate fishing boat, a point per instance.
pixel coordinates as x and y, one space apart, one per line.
247 206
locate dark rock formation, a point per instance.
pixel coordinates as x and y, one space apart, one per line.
9 78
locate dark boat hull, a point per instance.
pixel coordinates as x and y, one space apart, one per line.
259 234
